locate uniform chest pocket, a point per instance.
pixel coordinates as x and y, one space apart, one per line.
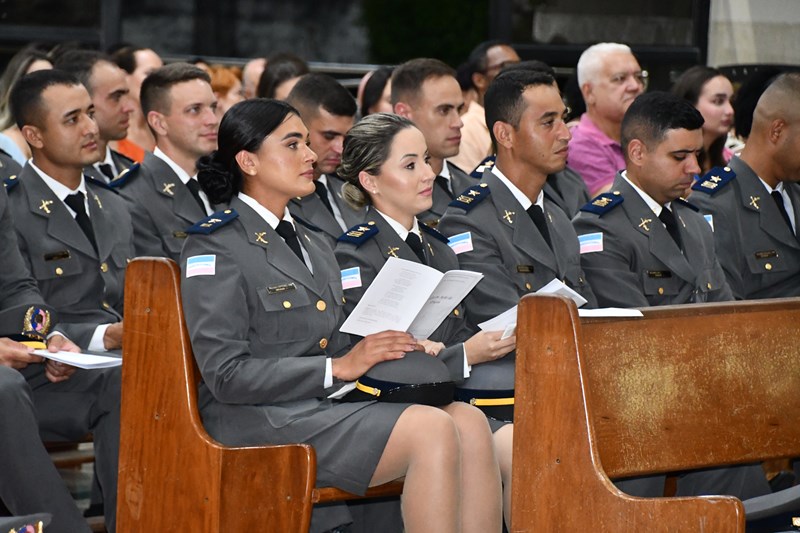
55 264
287 311
660 283
710 280
765 262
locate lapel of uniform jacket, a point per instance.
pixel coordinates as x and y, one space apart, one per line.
388 241
351 216
524 233
277 253
660 243
102 222
311 209
169 185
61 225
756 198
693 250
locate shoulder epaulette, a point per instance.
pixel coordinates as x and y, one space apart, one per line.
125 176
433 233
122 156
603 203
10 182
306 223
714 180
471 197
484 165
98 183
213 222
359 234
687 203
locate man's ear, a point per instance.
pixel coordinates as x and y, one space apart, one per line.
157 122
637 151
33 136
503 134
403 109
587 91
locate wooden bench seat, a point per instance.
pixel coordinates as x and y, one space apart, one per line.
684 387
171 473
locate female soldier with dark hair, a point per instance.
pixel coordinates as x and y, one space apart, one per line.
710 92
385 166
263 304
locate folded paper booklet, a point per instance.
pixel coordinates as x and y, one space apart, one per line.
81 360
409 296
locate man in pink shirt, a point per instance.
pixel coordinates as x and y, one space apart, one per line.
610 79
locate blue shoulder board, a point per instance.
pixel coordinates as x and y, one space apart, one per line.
714 180
125 176
359 234
98 183
685 202
433 233
10 182
483 166
213 222
603 203
471 197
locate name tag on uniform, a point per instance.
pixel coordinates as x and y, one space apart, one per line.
55 256
277 289
461 243
351 278
659 274
525 269
766 254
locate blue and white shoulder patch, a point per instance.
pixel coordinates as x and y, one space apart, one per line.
471 197
125 176
603 203
10 182
484 165
687 203
213 222
714 180
432 232
359 234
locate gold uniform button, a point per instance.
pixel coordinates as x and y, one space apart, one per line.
344 300
616 193
661 290
103 267
59 271
323 343
287 304
456 312
227 211
528 286
768 266
321 305
105 305
708 286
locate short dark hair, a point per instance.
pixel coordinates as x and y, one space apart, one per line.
125 57
244 127
531 64
280 67
80 64
653 114
314 91
26 95
156 86
477 59
407 79
503 101
747 97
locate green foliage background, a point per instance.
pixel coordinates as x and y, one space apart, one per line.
404 29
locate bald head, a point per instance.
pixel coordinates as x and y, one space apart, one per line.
780 101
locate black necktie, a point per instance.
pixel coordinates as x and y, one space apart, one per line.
415 243
107 171
778 197
76 202
322 192
537 215
669 221
194 188
286 230
444 183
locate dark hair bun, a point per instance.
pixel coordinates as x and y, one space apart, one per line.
215 179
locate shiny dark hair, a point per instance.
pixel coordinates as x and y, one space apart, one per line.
244 127
280 67
25 100
689 86
503 101
373 89
653 114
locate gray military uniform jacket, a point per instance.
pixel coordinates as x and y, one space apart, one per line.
9 168
640 264
508 249
122 163
459 181
161 206
757 250
85 287
311 210
567 190
369 252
